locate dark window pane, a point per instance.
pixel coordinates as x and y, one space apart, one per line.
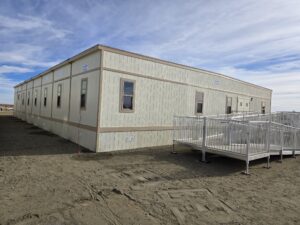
58 101
128 88
228 111
45 101
35 101
127 102
263 110
199 107
28 101
82 100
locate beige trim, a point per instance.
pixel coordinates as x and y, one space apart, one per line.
176 82
47 83
61 79
133 129
70 92
121 95
74 75
156 60
52 83
81 126
135 55
99 109
72 59
87 71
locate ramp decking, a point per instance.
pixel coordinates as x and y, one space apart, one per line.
247 137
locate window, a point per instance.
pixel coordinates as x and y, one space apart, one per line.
83 93
263 107
241 104
127 90
59 90
45 96
35 97
199 102
28 99
22 98
228 105
18 96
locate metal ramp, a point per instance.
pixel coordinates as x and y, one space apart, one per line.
248 137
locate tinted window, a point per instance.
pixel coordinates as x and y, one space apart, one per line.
58 100
83 93
127 95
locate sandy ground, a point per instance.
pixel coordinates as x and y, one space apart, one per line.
43 180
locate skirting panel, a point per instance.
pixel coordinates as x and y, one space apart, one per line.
83 137
131 140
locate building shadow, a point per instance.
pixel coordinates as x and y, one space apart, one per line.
185 164
18 138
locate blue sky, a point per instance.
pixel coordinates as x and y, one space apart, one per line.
256 41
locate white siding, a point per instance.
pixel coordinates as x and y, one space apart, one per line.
36 108
162 91
48 78
62 111
173 73
87 116
62 72
46 110
86 63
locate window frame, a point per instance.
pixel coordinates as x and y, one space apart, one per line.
197 102
122 94
86 91
58 94
45 96
227 105
35 97
28 98
263 107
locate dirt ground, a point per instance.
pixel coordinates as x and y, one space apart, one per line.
6 113
43 180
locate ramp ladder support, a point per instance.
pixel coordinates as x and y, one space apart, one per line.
247 150
204 139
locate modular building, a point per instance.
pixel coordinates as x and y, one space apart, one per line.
107 99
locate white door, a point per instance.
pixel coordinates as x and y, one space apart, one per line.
243 104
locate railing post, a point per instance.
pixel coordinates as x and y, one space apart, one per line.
229 133
204 138
174 130
247 148
281 143
268 142
295 143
